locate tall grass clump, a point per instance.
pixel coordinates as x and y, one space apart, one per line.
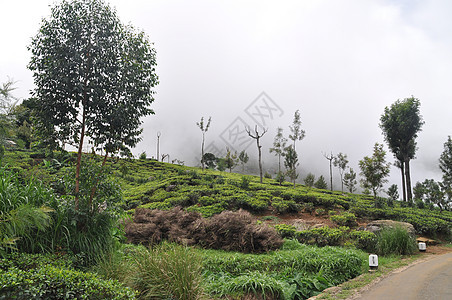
395 240
166 271
23 211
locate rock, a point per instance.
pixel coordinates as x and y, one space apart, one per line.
171 187
376 226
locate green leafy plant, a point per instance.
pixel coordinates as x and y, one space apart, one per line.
166 271
395 240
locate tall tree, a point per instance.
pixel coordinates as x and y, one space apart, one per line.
374 169
203 130
330 159
94 78
257 136
445 164
279 143
291 163
341 162
297 133
400 124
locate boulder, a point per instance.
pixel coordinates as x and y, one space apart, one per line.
376 226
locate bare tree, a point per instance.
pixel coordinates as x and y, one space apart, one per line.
257 137
330 158
203 130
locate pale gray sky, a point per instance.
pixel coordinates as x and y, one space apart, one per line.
339 62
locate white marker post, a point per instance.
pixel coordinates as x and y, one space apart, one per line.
422 247
373 262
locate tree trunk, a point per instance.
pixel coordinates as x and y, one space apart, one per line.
408 180
331 175
402 169
202 152
79 160
260 158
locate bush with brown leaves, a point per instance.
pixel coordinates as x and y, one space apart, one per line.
230 231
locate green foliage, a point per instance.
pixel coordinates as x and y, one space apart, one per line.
321 183
83 46
400 124
243 158
143 155
284 274
345 219
395 240
245 182
286 231
323 236
374 170
283 206
165 271
350 180
364 240
44 277
280 177
393 192
309 180
291 163
23 211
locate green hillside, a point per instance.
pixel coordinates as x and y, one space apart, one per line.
158 185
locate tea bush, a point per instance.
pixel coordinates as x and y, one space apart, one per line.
24 276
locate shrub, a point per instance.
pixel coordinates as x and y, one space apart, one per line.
365 240
320 211
245 182
345 219
323 236
284 206
166 271
395 240
286 231
44 277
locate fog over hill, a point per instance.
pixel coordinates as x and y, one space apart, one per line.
247 63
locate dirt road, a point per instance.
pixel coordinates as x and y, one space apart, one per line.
431 279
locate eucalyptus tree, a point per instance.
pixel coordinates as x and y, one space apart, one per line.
340 161
400 124
279 144
257 136
374 170
297 133
204 129
445 164
94 78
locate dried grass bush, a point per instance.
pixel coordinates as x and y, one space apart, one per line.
230 231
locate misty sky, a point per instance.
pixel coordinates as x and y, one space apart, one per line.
248 63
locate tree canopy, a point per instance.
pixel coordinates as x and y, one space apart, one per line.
374 169
94 76
400 124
